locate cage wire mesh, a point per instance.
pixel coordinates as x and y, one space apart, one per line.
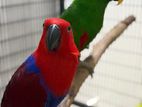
21 24
117 80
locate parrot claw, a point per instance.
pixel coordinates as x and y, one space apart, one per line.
87 66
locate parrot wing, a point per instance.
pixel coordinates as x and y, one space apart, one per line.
24 90
27 89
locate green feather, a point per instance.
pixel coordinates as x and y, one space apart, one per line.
85 16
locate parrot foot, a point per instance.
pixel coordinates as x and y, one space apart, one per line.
85 65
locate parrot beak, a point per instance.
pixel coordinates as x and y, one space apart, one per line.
119 1
53 37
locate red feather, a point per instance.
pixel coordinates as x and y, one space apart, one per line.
83 40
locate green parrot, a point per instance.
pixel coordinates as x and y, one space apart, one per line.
86 18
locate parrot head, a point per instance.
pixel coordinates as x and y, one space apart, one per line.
57 37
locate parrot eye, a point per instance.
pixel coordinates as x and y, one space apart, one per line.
69 29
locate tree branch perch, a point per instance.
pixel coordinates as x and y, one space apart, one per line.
98 49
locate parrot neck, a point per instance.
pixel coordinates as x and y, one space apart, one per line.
101 2
97 5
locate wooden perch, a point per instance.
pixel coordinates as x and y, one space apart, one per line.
98 49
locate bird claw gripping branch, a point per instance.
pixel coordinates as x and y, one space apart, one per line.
85 65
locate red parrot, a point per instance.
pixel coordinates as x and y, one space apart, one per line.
45 77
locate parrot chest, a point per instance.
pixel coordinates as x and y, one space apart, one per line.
58 72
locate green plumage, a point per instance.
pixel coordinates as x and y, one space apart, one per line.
85 16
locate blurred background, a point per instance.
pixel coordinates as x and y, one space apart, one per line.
117 79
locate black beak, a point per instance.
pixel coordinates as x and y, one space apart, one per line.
53 37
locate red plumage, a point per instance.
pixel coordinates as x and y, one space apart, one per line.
58 68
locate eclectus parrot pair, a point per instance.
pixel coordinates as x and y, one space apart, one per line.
45 77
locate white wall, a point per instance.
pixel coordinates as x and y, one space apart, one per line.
21 24
117 79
